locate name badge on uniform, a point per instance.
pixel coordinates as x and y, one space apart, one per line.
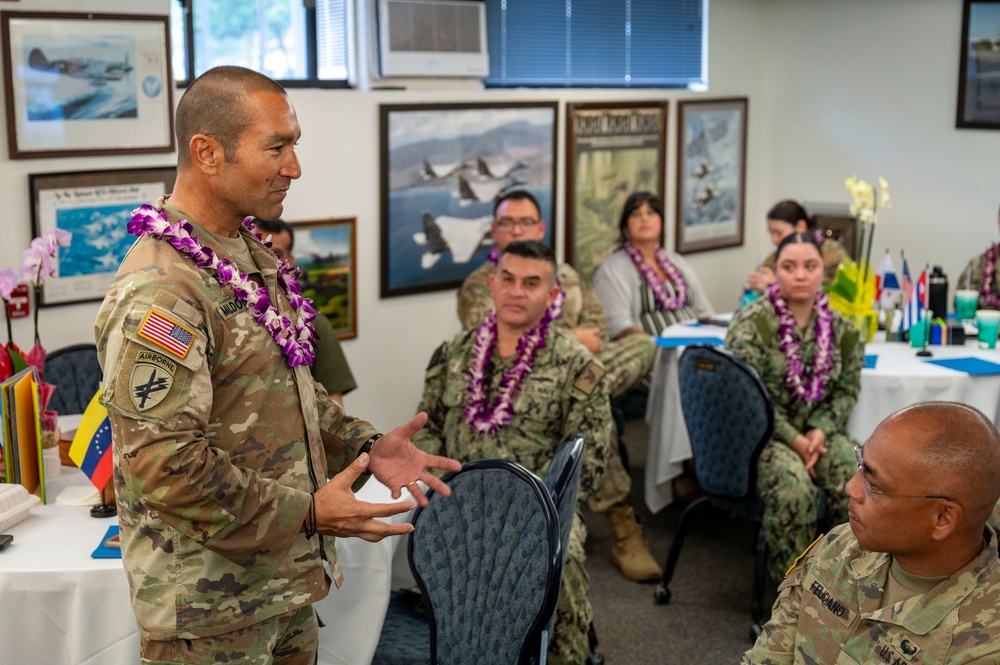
166 333
831 604
231 308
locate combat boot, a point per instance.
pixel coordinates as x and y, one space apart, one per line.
631 550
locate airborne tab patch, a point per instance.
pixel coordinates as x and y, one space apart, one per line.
152 377
166 333
589 377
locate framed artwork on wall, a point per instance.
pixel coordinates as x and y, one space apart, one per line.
979 71
442 168
711 174
612 150
86 84
95 207
326 256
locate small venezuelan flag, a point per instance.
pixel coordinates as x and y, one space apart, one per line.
91 449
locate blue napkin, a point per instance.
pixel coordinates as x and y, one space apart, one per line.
674 342
870 360
105 552
971 366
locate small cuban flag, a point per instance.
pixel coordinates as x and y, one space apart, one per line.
91 448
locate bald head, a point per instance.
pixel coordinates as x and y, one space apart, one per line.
215 104
960 447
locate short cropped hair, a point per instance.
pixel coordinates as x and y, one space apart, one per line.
532 249
215 105
791 212
516 195
274 226
633 202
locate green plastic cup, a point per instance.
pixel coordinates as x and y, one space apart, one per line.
919 332
988 322
966 301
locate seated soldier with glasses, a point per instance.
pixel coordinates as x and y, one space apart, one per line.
914 577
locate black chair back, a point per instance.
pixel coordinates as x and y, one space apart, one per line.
76 374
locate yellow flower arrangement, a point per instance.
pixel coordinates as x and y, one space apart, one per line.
852 292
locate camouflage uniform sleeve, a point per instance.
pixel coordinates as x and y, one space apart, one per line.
162 452
343 435
831 414
430 439
474 300
744 338
769 261
592 314
776 644
588 412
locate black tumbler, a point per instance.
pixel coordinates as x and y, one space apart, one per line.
937 293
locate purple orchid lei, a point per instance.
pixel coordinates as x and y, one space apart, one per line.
487 418
805 384
556 308
297 341
663 302
989 298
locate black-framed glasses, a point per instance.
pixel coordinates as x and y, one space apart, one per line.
858 453
507 223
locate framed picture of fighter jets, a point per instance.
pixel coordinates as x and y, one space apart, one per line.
86 84
95 207
443 167
711 174
612 150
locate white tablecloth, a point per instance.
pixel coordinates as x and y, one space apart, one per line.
899 379
62 607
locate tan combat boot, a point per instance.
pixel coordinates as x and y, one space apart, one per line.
631 551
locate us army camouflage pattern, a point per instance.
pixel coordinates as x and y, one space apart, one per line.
833 254
213 480
783 484
974 271
828 611
626 361
563 394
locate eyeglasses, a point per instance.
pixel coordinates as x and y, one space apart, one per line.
507 223
858 450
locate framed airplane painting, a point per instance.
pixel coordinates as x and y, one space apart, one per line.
86 84
443 167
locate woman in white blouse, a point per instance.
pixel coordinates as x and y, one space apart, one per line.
643 287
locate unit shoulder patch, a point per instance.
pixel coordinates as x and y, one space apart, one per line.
589 377
151 379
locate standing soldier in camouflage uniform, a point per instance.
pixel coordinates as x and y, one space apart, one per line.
626 362
535 384
222 440
810 359
914 578
981 275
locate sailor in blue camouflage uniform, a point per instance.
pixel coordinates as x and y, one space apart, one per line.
562 393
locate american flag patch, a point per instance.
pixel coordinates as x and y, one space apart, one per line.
171 335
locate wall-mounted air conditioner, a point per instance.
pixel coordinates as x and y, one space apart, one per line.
432 38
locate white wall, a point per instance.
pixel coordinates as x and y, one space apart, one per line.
864 87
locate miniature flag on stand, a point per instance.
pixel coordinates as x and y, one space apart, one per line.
886 285
917 302
91 449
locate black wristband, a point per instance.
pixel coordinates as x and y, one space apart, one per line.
367 446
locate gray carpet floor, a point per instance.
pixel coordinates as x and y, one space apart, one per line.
708 617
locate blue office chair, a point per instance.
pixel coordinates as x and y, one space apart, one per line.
730 417
488 560
75 372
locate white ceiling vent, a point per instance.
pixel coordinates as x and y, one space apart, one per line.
432 38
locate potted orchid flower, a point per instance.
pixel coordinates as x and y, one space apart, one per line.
852 292
35 267
11 358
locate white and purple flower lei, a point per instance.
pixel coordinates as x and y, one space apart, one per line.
989 298
297 341
556 308
805 384
487 418
663 302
